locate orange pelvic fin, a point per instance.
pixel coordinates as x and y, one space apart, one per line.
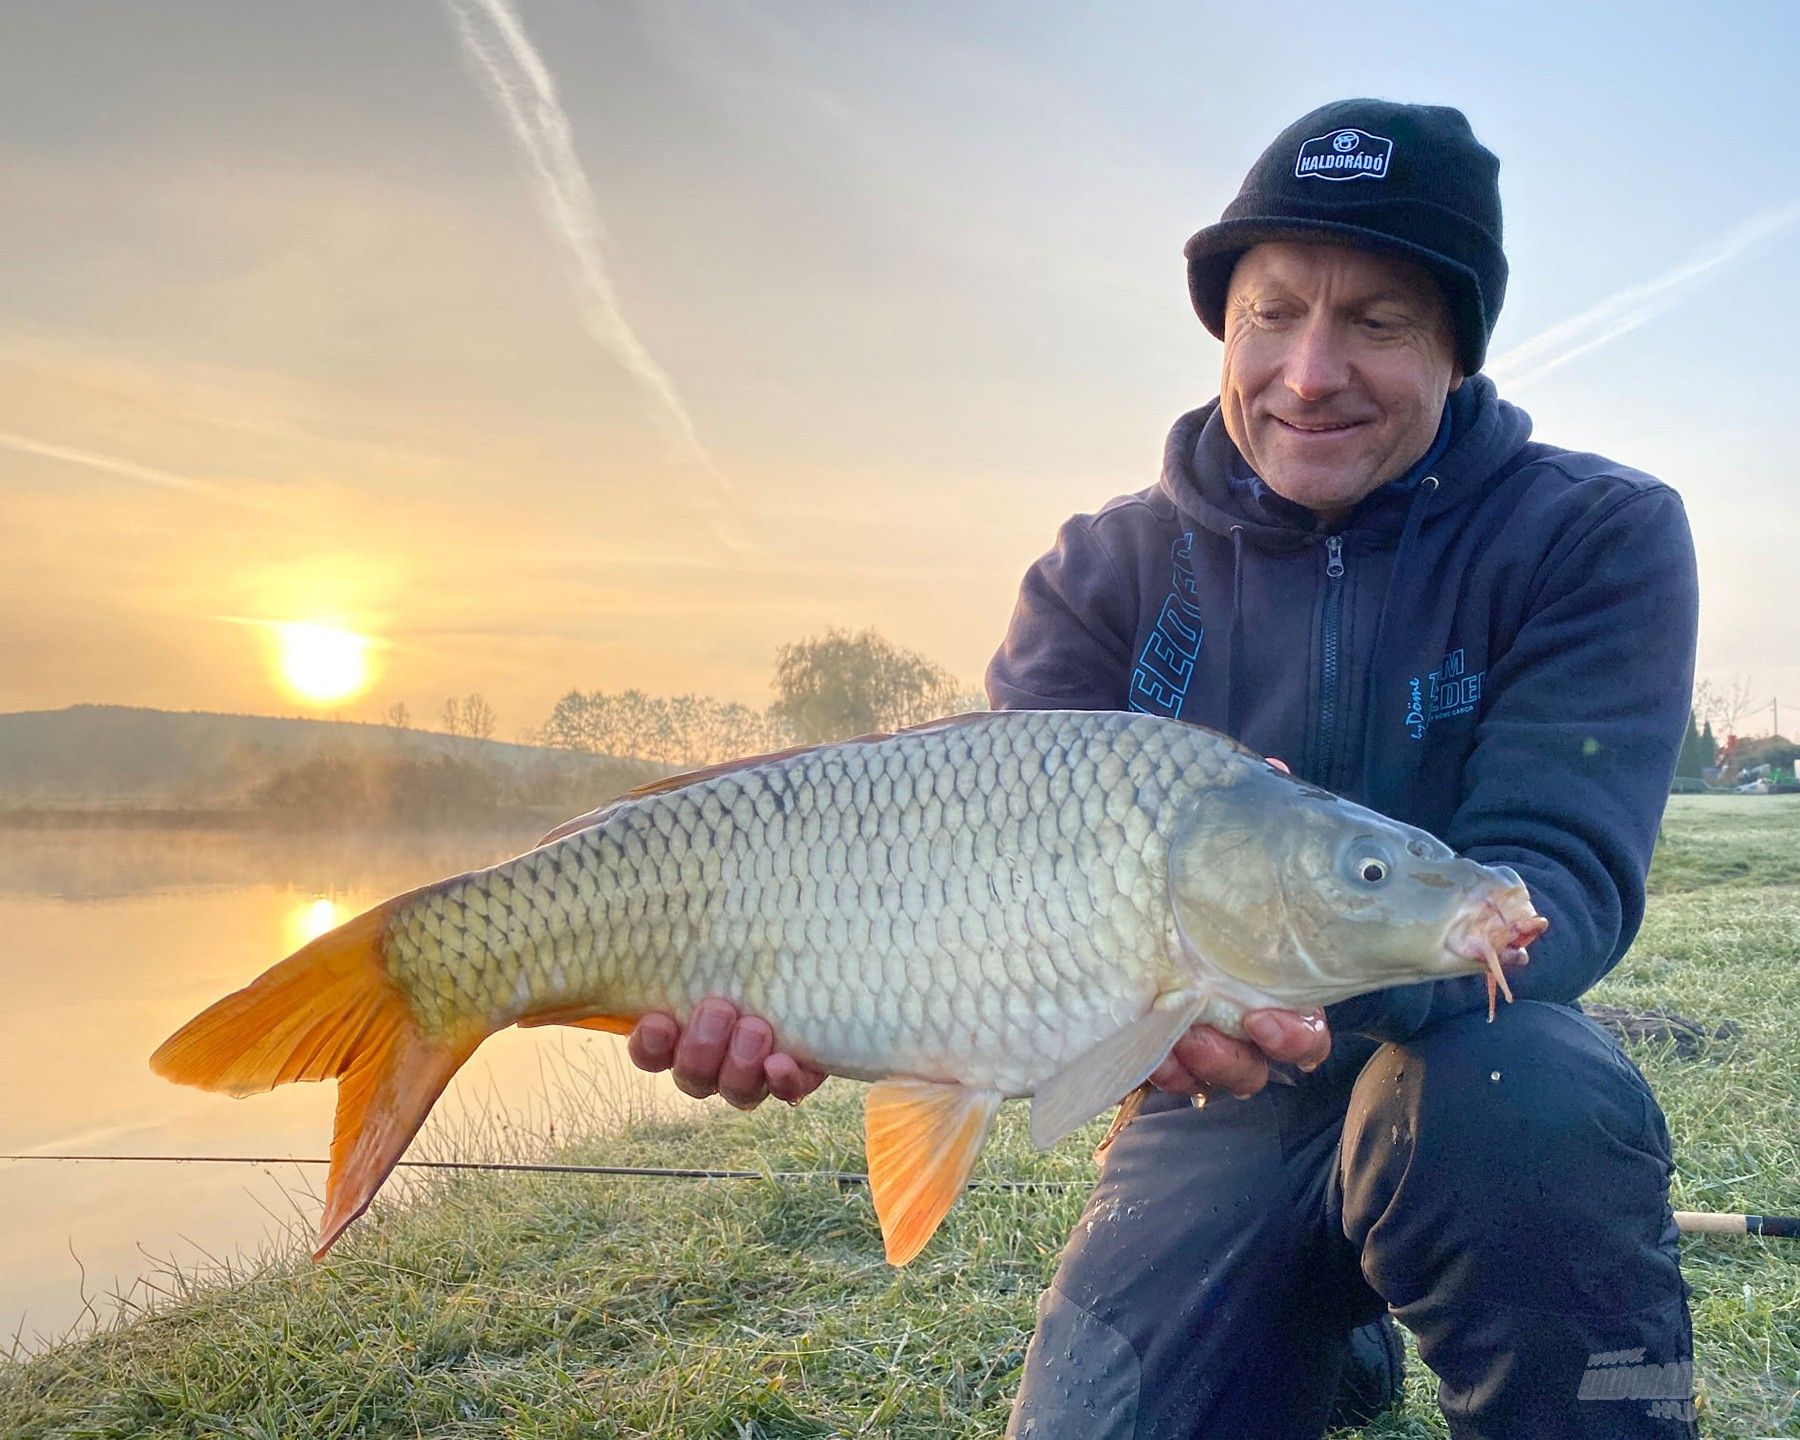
327 1012
922 1138
582 1016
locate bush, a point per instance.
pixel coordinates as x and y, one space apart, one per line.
382 789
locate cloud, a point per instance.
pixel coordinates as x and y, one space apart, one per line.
1626 311
520 85
111 465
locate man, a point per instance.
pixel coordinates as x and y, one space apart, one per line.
1356 560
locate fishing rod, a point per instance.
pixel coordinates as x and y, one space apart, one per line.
1690 1222
841 1178
1713 1222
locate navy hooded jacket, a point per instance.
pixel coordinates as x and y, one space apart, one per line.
1497 648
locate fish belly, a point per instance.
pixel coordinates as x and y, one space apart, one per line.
980 902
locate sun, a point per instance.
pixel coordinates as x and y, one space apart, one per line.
322 664
307 920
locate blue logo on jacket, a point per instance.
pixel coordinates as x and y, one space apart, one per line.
1165 665
1447 691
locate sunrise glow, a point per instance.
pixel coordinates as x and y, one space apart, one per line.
307 920
320 664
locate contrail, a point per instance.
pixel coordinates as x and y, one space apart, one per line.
519 83
1622 313
112 465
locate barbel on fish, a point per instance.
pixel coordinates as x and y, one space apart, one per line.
1016 904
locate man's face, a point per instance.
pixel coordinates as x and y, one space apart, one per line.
1337 362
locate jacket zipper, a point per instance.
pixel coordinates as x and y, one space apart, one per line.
1328 689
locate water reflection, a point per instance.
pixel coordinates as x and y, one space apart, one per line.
106 864
108 942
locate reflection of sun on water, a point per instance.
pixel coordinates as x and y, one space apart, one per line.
321 663
309 919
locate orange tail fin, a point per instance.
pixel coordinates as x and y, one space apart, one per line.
327 1012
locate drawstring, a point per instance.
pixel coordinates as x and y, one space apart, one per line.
1415 515
1231 640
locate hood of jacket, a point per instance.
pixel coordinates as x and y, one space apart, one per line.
1210 484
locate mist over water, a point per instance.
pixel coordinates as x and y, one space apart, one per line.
109 940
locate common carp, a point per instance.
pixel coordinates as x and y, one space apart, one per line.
1029 903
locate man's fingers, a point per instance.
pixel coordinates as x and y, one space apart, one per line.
1216 1059
1204 1059
789 1080
741 1076
652 1042
701 1051
1283 1035
1173 1076
721 1053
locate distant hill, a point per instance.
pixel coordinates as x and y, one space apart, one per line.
107 756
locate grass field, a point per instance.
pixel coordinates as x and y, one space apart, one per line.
603 1307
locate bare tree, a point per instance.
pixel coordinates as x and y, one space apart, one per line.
568 726
471 716
397 716
478 717
732 730
1721 704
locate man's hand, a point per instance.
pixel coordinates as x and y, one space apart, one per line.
1204 1059
721 1053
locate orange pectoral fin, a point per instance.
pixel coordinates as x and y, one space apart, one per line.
922 1138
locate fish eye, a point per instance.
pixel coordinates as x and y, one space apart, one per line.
1372 870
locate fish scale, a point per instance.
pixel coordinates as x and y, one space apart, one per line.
857 906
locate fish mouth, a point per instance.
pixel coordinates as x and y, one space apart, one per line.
1495 931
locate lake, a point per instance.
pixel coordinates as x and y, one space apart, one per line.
111 939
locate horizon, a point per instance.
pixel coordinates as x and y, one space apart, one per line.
808 318
525 739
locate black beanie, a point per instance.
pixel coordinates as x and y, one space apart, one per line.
1407 180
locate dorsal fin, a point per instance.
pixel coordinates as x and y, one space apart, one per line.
726 767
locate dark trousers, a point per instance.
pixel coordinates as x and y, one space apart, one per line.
1502 1189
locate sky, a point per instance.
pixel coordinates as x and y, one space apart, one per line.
564 344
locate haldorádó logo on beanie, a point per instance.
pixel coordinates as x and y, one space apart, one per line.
1346 155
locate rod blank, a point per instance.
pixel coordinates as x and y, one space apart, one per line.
1690 1222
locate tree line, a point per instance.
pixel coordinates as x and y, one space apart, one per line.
827 687
1704 757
